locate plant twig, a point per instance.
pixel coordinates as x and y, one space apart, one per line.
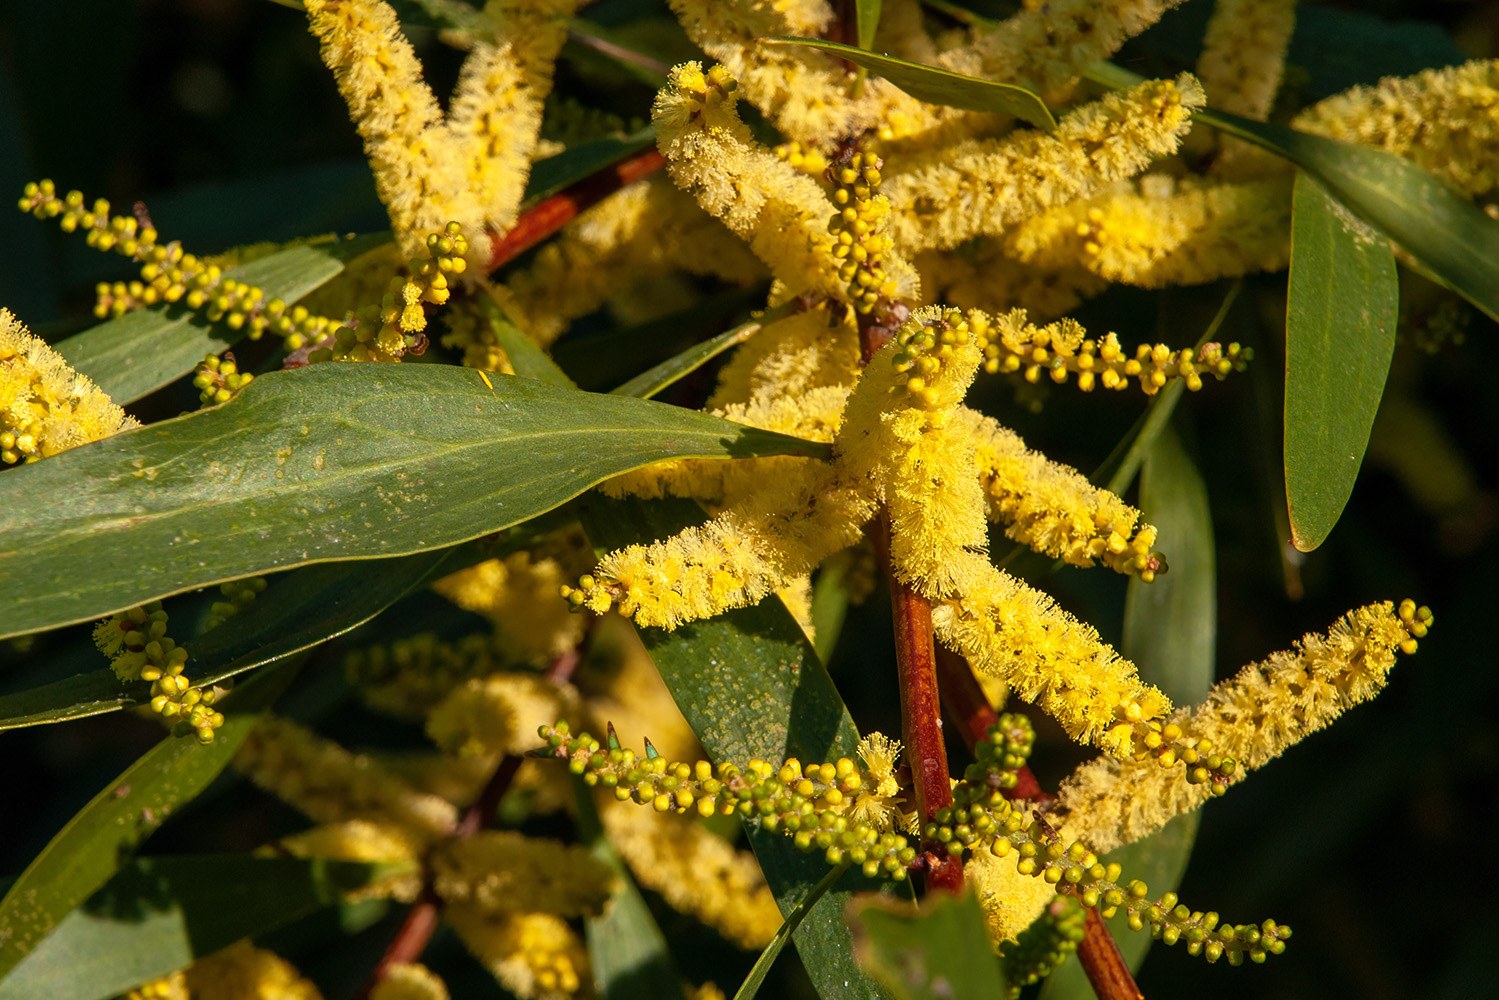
416 930
1101 961
550 214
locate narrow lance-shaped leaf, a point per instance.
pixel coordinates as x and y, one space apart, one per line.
328 462
937 952
1170 632
867 17
1341 308
144 350
306 607
91 847
940 86
673 369
161 914
751 686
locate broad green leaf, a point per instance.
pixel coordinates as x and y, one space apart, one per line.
324 463
1448 238
940 951
158 915
305 607
144 350
1170 631
757 973
626 950
940 86
867 17
751 686
1341 305
103 835
648 383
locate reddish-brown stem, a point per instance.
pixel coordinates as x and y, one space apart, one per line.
967 705
1100 958
550 214
416 930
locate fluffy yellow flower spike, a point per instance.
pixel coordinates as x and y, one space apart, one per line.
243 970
1046 45
780 212
807 94
1011 901
331 785
536 956
696 871
1255 716
501 871
1443 120
519 595
45 406
362 840
409 981
982 187
1165 232
497 714
470 167
1244 54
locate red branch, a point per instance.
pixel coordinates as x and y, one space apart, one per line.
416 930
966 704
1102 962
550 214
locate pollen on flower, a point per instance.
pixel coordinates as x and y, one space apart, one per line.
501 871
45 406
1253 718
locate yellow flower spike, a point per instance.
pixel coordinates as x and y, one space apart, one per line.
172 987
1243 57
1165 231
535 956
697 871
331 785
1252 717
408 677
951 194
496 714
501 871
45 406
1443 120
519 595
363 840
243 970
778 211
409 981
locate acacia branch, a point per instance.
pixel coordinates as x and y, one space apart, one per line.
547 216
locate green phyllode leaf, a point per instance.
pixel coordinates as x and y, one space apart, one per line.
1341 307
103 835
306 607
751 686
142 351
867 18
1170 631
328 462
940 86
161 914
938 952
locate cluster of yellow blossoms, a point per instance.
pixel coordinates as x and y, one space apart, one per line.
877 212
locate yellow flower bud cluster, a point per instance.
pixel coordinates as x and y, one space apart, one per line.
808 159
171 987
1062 349
861 229
170 275
243 970
409 981
923 346
496 714
536 956
140 649
812 804
397 326
218 379
45 406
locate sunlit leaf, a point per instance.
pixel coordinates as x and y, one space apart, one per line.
324 463
1341 307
